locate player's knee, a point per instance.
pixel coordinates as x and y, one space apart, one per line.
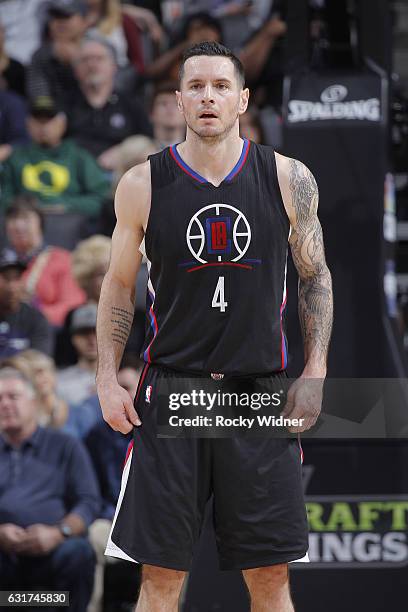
270 578
161 581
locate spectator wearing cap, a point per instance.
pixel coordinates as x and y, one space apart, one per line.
101 118
21 326
49 284
50 73
13 129
63 177
48 498
77 382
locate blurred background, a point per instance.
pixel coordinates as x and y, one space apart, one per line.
87 91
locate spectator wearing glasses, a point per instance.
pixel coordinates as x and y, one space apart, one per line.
101 117
48 498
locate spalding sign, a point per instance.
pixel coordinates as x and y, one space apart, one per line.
338 102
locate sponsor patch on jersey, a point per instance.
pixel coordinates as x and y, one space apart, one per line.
148 394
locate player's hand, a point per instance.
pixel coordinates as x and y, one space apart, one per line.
117 407
304 401
10 537
40 540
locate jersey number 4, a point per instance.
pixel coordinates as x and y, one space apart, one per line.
218 300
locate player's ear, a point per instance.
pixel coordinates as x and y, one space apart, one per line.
243 101
179 101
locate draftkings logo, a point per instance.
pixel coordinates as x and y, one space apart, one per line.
357 531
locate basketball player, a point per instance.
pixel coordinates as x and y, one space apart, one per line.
214 215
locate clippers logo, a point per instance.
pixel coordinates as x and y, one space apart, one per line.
218 230
218 233
148 394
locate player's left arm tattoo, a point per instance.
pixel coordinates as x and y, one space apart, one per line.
315 286
121 320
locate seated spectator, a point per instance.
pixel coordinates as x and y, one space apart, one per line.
250 126
23 22
134 150
108 449
101 118
196 28
90 261
50 73
21 326
40 370
64 177
49 497
76 383
12 123
12 73
169 126
49 284
106 18
84 416
263 59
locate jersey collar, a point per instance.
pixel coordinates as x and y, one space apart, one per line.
195 175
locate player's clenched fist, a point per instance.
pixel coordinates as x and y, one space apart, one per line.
117 407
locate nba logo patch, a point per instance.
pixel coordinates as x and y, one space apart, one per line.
148 393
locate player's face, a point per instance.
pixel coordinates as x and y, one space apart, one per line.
211 97
17 407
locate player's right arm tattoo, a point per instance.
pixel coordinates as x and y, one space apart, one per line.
121 320
315 286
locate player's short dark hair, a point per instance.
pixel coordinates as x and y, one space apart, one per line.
213 49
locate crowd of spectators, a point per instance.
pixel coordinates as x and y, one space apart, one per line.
86 92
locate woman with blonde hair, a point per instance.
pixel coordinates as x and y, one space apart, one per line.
90 261
40 370
121 25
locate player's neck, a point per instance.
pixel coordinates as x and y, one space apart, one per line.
212 159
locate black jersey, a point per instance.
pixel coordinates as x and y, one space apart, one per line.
217 266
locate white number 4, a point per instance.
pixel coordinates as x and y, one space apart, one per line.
218 300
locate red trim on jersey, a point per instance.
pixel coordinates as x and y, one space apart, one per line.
156 329
128 451
186 169
283 357
236 170
301 450
221 263
143 376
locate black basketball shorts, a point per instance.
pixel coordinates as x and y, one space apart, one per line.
259 511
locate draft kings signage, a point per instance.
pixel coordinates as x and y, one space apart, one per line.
351 531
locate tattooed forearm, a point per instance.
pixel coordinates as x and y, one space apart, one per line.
315 289
305 194
315 314
121 320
